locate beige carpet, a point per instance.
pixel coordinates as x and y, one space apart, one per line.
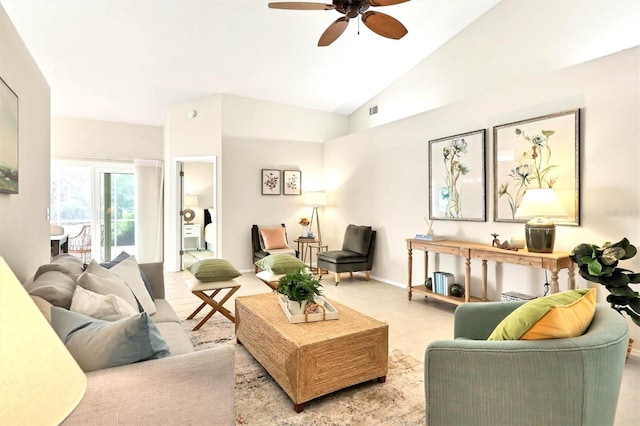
260 401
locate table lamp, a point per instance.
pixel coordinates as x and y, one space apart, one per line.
40 383
540 205
316 199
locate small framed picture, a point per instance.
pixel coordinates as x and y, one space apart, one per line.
270 182
291 182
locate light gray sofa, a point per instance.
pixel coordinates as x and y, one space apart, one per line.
187 387
572 381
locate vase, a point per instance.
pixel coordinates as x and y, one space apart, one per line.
296 308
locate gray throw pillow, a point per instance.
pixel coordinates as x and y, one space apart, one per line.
119 258
103 281
96 344
55 287
357 239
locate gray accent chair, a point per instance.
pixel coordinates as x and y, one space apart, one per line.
574 381
358 246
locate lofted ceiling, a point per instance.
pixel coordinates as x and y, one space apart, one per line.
131 60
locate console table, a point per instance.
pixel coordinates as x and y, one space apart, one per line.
554 262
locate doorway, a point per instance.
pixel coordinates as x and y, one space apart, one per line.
199 218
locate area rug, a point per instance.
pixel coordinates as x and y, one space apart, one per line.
260 401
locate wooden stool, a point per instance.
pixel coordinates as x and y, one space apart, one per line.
199 288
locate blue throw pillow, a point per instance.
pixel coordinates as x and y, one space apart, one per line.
96 344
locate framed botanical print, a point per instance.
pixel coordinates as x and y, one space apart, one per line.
291 181
457 178
540 152
271 182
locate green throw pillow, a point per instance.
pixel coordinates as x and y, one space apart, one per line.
280 263
558 316
210 270
96 344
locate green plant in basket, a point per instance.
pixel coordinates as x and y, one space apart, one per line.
300 286
600 265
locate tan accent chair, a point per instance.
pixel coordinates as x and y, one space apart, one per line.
80 245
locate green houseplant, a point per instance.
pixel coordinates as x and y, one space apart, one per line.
600 265
300 287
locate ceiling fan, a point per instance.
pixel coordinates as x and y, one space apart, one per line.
377 22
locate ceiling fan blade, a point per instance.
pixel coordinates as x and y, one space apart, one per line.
334 31
385 2
384 25
299 5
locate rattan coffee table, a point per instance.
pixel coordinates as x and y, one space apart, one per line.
309 360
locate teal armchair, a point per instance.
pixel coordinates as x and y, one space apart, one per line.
575 381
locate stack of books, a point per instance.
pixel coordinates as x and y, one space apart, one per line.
427 237
442 282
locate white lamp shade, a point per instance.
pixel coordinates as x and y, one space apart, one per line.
191 200
540 202
40 383
316 198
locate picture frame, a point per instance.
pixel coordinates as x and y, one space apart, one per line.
457 177
271 182
291 182
539 152
9 159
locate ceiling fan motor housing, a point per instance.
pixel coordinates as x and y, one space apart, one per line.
351 8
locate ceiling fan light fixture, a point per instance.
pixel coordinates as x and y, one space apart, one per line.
380 23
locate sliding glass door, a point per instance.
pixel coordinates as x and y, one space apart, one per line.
94 203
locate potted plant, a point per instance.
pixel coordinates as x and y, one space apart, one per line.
300 287
600 265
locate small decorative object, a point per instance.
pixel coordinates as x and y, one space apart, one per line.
304 222
504 245
517 242
292 180
270 182
321 310
428 283
456 290
457 177
300 287
600 265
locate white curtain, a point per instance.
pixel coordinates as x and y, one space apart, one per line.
149 210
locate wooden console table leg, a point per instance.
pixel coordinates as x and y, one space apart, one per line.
467 279
410 268
554 281
484 279
572 280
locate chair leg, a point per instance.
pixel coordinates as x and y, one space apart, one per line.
337 277
255 269
367 275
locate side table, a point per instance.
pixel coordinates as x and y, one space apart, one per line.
318 248
302 246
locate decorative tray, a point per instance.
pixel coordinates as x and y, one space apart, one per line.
314 314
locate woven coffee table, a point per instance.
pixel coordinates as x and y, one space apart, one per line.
312 359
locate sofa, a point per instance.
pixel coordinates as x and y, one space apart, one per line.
563 381
182 386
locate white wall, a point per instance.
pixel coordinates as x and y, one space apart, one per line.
387 186
514 40
104 140
24 227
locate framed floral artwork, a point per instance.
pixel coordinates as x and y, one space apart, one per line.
291 181
271 182
540 152
8 139
457 178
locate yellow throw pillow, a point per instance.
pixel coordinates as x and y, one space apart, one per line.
560 315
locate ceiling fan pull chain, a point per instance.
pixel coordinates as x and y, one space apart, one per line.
359 18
